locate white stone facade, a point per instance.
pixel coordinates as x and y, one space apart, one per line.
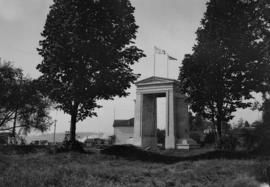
145 125
123 135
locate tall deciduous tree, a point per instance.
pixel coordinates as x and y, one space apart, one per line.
87 52
22 106
227 64
9 79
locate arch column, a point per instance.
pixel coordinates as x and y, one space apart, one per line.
137 138
181 118
170 121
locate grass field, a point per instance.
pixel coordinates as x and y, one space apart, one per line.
78 170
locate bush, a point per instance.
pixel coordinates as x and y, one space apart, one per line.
227 142
161 136
210 138
196 136
250 140
258 139
69 146
262 139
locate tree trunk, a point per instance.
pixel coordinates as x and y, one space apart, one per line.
13 134
14 123
219 133
219 118
219 125
215 128
16 112
73 126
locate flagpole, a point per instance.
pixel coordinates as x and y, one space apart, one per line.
154 64
114 113
167 66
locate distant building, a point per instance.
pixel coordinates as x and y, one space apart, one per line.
123 131
96 140
40 142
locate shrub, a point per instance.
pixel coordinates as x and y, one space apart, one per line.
228 142
258 139
68 146
250 140
196 136
210 138
161 136
262 138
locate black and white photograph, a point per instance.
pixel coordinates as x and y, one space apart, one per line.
134 93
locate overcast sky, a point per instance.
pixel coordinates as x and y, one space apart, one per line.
168 24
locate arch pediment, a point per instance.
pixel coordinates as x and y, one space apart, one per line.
156 80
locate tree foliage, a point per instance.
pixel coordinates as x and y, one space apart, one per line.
87 51
22 106
161 136
9 77
266 111
196 123
227 63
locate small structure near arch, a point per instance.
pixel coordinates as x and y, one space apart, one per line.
123 131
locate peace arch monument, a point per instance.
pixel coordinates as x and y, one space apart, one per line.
145 119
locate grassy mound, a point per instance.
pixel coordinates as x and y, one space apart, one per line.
22 149
131 152
98 170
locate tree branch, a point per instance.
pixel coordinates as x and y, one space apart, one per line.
10 128
6 118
